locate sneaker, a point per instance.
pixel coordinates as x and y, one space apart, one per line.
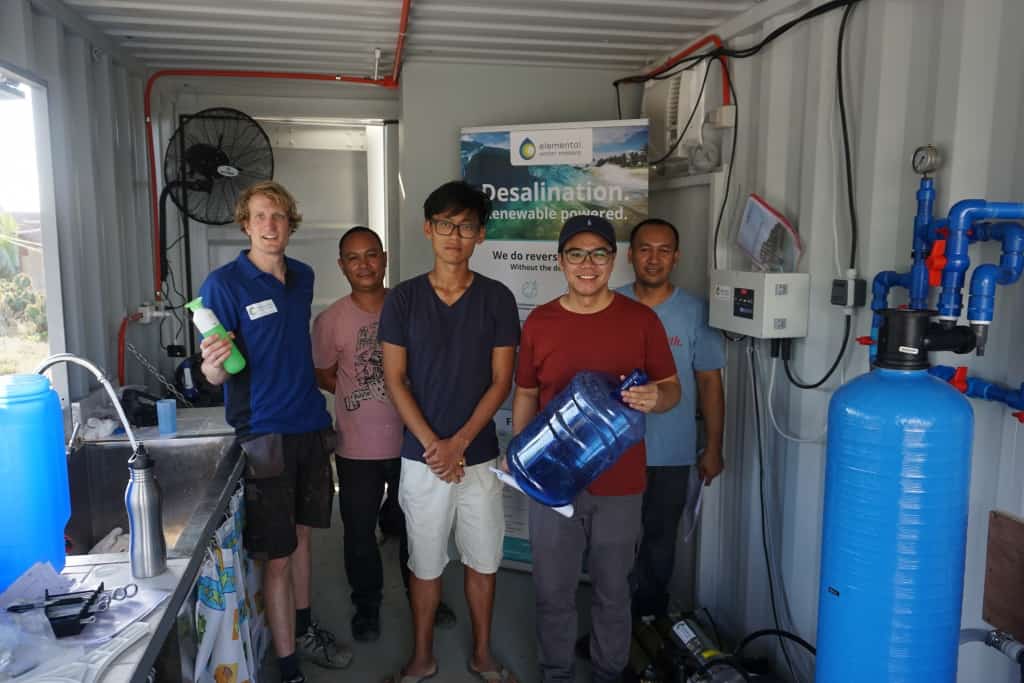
298 678
366 626
444 617
320 647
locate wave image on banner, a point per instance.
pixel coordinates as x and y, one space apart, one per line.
605 174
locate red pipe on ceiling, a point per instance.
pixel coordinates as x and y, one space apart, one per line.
389 82
710 39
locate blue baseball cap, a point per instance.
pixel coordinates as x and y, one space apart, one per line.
579 224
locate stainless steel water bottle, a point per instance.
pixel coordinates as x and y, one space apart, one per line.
147 550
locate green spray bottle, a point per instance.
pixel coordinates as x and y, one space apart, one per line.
207 323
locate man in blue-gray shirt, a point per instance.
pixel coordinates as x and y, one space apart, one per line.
672 436
449 339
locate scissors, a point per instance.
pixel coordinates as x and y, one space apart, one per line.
129 590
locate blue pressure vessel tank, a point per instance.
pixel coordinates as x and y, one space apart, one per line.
895 527
34 500
576 437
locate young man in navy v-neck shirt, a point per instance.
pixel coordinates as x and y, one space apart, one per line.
265 300
449 339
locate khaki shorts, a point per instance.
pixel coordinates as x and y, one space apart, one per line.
433 507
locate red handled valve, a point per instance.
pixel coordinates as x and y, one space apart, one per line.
959 379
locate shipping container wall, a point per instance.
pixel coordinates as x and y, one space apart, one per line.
916 72
98 175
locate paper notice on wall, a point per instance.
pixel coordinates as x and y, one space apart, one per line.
768 238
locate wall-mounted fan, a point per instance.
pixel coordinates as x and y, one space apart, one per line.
212 157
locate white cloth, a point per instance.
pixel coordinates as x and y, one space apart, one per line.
433 507
229 621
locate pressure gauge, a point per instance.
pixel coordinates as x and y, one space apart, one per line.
926 160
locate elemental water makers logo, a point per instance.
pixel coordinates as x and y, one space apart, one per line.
552 147
527 149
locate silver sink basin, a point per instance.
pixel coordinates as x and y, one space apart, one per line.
193 473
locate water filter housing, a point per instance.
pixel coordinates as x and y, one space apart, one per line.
895 525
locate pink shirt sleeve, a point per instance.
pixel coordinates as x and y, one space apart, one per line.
325 350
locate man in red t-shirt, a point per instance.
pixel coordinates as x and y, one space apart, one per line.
590 328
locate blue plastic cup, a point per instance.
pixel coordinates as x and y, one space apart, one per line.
167 415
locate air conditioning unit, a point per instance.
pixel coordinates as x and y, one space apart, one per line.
668 104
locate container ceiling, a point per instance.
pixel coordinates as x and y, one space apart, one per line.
339 36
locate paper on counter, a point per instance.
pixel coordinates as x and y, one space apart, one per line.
120 615
32 585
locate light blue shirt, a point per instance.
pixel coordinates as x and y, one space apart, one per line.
672 436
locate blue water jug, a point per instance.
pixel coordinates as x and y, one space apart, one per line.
34 501
580 433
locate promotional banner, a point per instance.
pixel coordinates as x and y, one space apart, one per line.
537 177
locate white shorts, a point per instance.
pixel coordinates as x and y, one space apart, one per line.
431 506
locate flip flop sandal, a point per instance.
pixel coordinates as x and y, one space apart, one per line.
503 675
408 678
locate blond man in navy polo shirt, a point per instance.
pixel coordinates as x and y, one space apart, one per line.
280 417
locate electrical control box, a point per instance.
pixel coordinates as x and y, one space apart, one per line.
761 305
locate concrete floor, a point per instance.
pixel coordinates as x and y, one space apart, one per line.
514 641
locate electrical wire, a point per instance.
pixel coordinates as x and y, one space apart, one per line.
770 400
717 54
693 112
743 53
839 358
714 626
732 164
752 360
846 133
773 632
786 616
834 156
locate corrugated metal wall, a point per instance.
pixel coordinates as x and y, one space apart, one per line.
99 177
918 71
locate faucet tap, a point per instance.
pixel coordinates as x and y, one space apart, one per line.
98 374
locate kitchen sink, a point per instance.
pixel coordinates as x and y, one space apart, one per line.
192 472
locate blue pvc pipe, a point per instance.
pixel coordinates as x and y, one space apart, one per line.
922 222
962 217
979 388
985 278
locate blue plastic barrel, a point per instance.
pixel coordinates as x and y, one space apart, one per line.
579 434
34 501
897 485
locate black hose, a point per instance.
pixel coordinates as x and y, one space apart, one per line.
774 632
846 135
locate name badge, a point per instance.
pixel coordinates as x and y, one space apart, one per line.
261 309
